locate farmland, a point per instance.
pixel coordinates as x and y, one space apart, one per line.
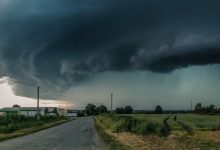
161 131
198 122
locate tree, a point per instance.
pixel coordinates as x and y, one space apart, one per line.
16 106
119 110
128 110
198 108
212 108
102 109
158 109
90 109
203 110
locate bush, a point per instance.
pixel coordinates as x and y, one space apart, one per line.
162 130
128 110
11 128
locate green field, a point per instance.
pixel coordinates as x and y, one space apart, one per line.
159 124
203 122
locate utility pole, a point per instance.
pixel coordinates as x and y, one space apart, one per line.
38 111
191 106
111 101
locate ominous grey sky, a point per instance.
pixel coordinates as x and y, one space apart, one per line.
147 52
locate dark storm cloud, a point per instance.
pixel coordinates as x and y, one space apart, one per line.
60 43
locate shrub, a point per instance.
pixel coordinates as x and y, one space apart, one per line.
162 130
11 128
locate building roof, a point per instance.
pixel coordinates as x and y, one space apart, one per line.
30 108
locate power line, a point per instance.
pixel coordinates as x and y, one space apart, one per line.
111 101
38 98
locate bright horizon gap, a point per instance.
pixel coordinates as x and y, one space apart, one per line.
8 98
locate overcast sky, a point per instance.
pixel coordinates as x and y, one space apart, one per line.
146 52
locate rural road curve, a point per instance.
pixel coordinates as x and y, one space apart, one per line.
79 134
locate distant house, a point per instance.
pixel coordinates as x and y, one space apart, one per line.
54 111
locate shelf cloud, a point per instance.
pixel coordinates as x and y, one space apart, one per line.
60 44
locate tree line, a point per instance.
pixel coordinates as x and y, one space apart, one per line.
206 109
92 109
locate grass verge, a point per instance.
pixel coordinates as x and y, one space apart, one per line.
22 132
109 140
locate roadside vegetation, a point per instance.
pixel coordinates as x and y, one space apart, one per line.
126 123
12 126
110 141
12 123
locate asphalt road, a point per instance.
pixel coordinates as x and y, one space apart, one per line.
79 134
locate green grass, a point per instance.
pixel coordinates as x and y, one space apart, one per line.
148 117
205 122
201 122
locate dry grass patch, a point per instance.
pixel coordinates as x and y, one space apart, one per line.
177 140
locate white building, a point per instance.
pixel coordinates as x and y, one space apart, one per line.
32 111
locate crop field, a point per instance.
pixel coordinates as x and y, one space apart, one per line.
193 121
203 122
162 131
